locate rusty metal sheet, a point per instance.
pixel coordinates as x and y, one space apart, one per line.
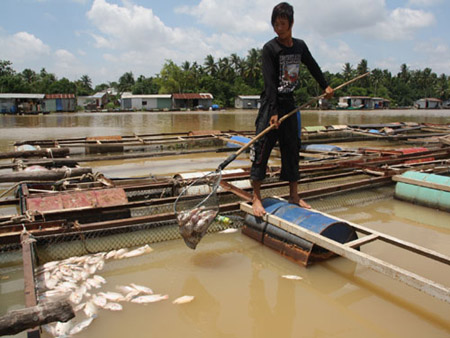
75 200
79 199
110 197
46 203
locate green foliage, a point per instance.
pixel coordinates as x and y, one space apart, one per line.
227 77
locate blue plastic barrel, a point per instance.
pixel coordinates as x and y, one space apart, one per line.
321 148
280 239
415 193
238 138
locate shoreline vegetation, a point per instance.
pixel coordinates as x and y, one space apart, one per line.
227 77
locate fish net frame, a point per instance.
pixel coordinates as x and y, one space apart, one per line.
186 200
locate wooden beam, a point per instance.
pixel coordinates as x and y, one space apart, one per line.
19 320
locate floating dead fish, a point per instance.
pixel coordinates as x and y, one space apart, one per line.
81 326
99 279
113 296
99 300
228 231
90 309
183 300
292 277
142 289
113 307
149 299
137 252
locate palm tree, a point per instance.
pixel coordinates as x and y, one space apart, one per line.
252 66
210 65
347 71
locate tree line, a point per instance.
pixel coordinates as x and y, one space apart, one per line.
227 77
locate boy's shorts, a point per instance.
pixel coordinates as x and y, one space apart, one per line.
288 139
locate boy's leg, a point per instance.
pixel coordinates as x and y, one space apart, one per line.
258 209
293 196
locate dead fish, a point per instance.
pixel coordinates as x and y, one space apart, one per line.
76 297
228 231
125 288
99 300
137 252
111 254
99 279
81 326
90 309
93 283
120 253
113 307
113 296
142 289
149 299
293 277
183 300
62 329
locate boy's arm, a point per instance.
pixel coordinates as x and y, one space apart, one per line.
314 68
270 78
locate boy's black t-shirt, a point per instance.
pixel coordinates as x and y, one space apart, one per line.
281 66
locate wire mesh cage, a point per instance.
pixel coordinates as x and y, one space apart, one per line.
197 206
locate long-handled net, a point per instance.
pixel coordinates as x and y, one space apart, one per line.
198 204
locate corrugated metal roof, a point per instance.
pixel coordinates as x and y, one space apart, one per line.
21 96
147 96
249 97
99 95
60 96
192 96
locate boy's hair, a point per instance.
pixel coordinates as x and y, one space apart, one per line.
283 10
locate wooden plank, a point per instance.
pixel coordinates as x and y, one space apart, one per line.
361 241
418 282
425 184
395 241
28 277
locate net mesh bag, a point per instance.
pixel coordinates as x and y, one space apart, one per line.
196 207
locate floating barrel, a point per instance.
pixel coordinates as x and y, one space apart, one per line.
204 189
424 189
290 245
239 141
321 148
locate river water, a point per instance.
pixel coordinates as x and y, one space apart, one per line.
237 283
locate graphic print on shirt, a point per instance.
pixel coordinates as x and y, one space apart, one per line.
289 71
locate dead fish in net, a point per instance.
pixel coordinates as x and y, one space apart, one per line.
183 300
193 224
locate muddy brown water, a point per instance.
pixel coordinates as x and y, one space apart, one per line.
237 283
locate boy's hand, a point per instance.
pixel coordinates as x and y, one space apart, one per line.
274 121
329 92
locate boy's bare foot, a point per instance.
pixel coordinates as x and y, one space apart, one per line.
300 202
258 209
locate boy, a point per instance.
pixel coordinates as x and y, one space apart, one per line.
281 59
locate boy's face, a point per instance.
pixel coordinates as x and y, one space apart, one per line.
282 28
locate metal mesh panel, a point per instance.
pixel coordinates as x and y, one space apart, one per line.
59 247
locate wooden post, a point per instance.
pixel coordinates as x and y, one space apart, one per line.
31 317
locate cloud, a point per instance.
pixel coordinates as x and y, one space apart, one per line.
231 16
22 47
402 23
426 3
130 34
436 55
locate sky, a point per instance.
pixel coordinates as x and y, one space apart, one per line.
106 38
